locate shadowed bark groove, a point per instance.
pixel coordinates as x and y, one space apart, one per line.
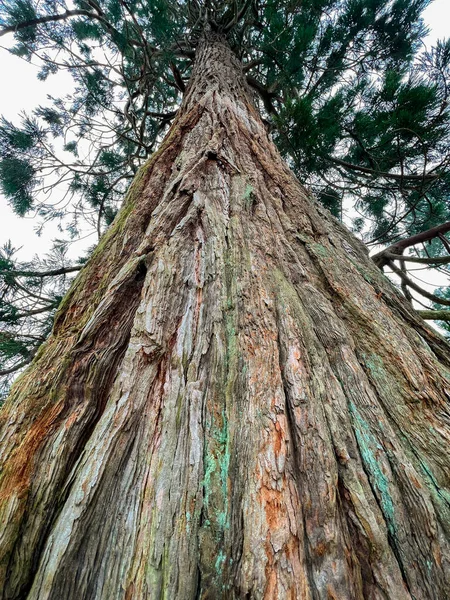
234 402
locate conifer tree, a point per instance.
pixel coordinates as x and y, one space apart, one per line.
234 401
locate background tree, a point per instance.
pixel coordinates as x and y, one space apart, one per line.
234 401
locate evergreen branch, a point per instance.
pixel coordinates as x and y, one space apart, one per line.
375 173
42 274
51 19
168 116
29 313
404 284
13 336
444 241
266 95
251 64
29 294
237 15
17 366
177 76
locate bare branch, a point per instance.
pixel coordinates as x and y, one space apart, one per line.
410 283
435 315
439 260
381 258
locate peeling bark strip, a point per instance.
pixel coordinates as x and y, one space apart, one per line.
235 402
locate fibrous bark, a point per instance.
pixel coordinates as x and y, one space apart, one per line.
234 402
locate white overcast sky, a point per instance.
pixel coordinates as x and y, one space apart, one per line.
23 92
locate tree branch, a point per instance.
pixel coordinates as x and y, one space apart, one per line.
416 287
374 172
266 95
51 273
439 260
435 315
444 241
36 311
50 19
16 367
381 259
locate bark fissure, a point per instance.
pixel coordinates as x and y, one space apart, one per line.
296 452
89 348
383 510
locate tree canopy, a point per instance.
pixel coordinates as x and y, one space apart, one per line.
355 103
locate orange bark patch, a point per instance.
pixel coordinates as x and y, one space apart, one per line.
415 482
273 507
278 436
18 470
437 555
271 575
331 595
320 549
129 594
71 420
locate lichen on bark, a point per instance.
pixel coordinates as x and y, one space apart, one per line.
234 402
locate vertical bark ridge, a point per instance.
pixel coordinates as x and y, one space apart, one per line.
93 363
234 403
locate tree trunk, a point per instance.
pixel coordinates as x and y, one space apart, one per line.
234 402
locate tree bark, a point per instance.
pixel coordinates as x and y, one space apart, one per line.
234 401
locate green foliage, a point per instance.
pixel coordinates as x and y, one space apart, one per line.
372 107
332 200
28 301
18 175
17 181
20 11
346 81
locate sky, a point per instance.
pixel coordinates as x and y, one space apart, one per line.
25 92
